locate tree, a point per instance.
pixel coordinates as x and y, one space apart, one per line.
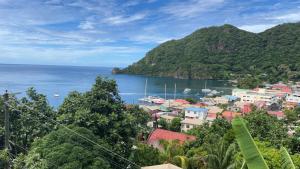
145 155
220 155
292 116
63 149
102 111
175 124
266 127
30 118
191 100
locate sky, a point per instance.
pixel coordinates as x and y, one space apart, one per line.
117 33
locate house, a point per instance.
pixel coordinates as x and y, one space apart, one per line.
255 95
195 113
168 118
229 115
278 114
160 134
293 98
188 124
162 166
211 117
214 109
220 100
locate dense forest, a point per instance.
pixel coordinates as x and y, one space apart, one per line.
226 52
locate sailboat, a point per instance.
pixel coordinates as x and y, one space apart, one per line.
205 90
187 90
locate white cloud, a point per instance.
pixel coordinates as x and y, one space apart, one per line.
289 17
191 8
256 28
118 20
86 25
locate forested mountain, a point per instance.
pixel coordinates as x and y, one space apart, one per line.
226 52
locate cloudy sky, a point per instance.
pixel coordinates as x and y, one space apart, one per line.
119 32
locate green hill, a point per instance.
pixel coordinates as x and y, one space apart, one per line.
226 52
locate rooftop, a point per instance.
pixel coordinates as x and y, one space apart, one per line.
192 121
163 166
161 134
196 109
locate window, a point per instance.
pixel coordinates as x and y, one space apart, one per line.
187 126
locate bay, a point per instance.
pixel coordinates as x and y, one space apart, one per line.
60 80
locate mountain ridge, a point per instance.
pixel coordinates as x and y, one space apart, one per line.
226 52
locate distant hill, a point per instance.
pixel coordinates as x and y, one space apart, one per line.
226 52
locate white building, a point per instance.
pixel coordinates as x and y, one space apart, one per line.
294 98
253 96
195 113
188 124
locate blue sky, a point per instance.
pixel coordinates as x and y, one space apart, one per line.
120 32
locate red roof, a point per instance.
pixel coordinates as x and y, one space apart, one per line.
229 115
279 114
182 101
212 115
247 108
160 134
284 88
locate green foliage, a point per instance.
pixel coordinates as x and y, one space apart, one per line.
102 111
145 155
191 100
251 154
220 155
4 158
227 52
287 162
266 127
292 116
63 149
175 124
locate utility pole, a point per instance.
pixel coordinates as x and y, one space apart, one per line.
6 114
5 97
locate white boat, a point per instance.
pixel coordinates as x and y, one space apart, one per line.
56 95
187 90
205 90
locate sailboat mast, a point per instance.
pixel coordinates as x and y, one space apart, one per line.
175 92
165 91
146 88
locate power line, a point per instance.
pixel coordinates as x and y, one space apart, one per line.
110 161
83 137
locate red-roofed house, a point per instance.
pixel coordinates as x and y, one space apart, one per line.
229 115
278 114
161 134
181 101
247 108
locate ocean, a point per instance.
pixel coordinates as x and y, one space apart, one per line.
60 80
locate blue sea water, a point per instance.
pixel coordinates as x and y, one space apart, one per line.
61 80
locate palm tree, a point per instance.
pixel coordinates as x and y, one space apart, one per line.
220 155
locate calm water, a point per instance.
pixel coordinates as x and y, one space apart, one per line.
50 80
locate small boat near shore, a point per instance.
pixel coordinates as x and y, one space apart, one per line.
187 90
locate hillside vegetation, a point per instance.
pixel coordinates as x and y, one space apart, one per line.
226 52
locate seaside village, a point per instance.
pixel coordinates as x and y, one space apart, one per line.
272 98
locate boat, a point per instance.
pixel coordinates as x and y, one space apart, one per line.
205 90
187 90
56 95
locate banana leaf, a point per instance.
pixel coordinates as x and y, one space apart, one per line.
286 160
253 157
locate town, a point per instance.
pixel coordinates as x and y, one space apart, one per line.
272 98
